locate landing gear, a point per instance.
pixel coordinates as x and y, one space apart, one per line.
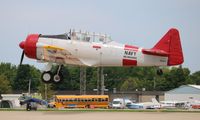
58 77
48 77
159 72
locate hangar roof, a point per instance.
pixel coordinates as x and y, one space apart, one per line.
185 89
195 86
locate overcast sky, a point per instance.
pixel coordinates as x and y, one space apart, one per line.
136 22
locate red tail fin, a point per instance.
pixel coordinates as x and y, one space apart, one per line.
171 44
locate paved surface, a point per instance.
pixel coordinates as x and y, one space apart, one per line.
52 115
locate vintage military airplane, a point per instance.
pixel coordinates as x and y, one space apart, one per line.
90 49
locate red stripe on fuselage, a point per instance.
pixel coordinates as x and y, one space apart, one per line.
128 59
127 62
96 46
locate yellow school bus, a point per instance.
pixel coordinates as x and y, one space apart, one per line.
81 101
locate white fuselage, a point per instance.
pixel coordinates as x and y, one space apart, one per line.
84 53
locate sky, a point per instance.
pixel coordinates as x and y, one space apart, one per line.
136 22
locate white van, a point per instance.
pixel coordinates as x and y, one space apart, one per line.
120 103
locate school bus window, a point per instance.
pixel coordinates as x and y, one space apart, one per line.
99 99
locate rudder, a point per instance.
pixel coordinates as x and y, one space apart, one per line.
171 44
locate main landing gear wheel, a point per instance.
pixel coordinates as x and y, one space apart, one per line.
46 77
58 78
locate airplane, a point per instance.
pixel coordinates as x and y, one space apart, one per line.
154 104
98 50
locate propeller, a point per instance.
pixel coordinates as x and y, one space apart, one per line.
21 45
22 57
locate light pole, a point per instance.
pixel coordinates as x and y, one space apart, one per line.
154 83
29 87
45 91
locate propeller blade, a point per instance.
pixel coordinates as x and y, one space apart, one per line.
22 57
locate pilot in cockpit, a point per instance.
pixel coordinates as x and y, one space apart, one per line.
74 37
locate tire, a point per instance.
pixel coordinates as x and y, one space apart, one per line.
46 77
57 78
28 107
159 72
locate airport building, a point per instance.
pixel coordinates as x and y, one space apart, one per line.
187 93
139 96
10 101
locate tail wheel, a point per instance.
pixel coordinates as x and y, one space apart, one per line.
46 77
159 72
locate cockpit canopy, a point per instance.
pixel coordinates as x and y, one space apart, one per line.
81 36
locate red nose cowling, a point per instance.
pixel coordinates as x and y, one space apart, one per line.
29 45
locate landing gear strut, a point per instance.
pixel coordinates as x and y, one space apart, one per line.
48 76
58 77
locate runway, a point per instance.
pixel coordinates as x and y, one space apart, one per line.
54 115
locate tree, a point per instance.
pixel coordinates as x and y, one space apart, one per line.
177 77
9 71
129 84
5 86
49 91
24 74
91 78
195 78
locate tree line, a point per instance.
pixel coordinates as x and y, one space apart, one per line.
16 78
